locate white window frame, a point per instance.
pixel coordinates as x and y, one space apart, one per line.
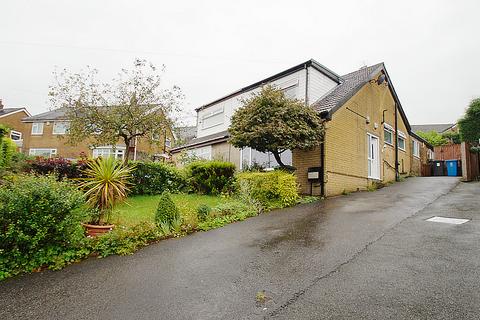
402 136
39 127
388 128
213 114
52 151
15 133
248 150
119 152
58 122
416 148
168 142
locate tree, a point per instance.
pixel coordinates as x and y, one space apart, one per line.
269 121
131 106
469 125
433 137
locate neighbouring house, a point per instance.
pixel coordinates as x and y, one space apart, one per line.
438 128
12 118
46 137
367 140
184 135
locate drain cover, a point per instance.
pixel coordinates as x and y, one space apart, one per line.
448 220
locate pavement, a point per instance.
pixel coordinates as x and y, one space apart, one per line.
367 255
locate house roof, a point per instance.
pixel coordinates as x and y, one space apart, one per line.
349 85
432 127
57 114
207 140
309 63
6 111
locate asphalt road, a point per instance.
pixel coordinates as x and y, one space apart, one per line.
368 255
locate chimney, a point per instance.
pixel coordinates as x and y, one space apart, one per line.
1 104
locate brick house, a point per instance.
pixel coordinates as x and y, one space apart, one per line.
46 137
366 129
12 118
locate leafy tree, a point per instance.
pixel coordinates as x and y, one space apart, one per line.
469 125
131 106
8 148
433 137
452 137
271 122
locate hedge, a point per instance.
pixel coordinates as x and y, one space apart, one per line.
155 178
211 177
273 189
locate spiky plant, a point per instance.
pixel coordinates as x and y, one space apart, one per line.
106 184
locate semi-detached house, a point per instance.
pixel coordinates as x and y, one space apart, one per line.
367 140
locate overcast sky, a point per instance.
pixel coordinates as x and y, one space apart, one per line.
211 48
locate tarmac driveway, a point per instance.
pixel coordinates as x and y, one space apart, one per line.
368 255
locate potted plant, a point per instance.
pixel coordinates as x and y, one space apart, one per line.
106 184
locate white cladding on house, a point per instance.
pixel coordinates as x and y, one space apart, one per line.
216 118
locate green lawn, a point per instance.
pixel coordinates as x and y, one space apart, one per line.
140 209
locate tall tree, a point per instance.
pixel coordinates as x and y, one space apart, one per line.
133 105
269 121
469 125
433 137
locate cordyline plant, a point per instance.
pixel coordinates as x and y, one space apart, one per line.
271 122
131 106
106 184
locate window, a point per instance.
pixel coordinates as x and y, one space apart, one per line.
168 142
15 135
202 153
106 152
250 157
37 128
388 134
213 118
60 127
291 92
48 153
401 140
416 148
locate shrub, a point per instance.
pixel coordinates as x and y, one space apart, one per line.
106 185
274 189
155 178
211 177
60 167
203 211
167 211
8 149
40 224
233 208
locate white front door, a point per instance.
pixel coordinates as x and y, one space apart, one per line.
373 157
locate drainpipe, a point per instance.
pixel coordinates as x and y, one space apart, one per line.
322 166
397 177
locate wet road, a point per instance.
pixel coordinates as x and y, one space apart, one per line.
367 255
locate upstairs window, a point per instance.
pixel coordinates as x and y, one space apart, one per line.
168 142
416 148
15 135
401 139
37 128
60 127
388 134
213 118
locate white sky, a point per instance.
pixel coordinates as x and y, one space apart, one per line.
211 48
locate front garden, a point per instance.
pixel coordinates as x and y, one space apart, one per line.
46 204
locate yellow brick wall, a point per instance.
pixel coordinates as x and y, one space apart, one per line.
302 160
14 121
346 150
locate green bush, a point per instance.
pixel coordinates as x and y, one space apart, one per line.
40 224
8 149
232 208
155 178
211 177
274 189
203 211
167 211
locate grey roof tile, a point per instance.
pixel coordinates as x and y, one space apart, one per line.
432 127
57 114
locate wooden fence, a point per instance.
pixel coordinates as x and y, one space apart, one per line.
470 163
448 152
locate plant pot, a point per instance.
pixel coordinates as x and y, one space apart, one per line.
97 230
